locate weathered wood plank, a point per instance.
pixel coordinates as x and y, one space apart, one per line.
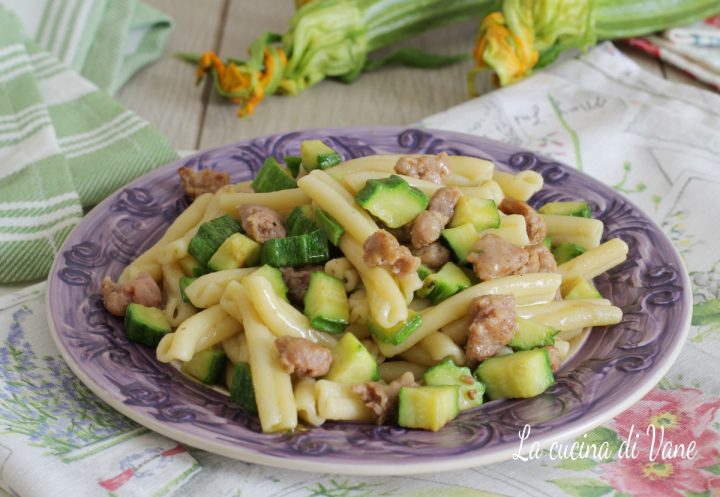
164 93
390 96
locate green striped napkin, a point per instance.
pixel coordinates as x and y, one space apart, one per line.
106 41
64 146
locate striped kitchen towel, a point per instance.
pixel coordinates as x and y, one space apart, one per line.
106 41
64 146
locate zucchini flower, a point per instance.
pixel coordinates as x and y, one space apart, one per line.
530 34
332 38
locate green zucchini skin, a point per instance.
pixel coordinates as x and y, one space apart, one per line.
567 208
310 248
207 366
326 303
444 284
145 325
398 333
567 251
242 392
470 390
530 335
210 236
392 200
518 375
273 177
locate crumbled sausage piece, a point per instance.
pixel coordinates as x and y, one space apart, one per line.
534 223
540 260
297 280
492 257
195 183
261 223
492 327
303 357
381 398
434 255
443 201
426 228
427 167
382 249
142 290
555 360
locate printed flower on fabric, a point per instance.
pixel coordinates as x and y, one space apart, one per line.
686 417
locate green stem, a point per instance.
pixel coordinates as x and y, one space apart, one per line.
389 21
627 18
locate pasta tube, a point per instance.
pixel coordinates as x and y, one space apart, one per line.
595 261
146 262
336 401
306 403
526 288
176 310
386 300
578 230
282 201
281 318
334 199
520 186
273 386
203 330
207 290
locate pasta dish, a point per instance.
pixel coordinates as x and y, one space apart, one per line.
398 289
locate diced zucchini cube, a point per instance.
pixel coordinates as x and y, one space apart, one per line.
519 375
145 325
352 362
470 391
444 284
235 252
392 200
480 212
461 240
326 303
242 392
208 365
427 408
273 177
315 154
529 335
567 251
580 288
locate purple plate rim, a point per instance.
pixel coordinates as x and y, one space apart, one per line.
502 451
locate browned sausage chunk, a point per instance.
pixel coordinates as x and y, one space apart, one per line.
534 223
381 398
142 290
540 260
443 201
261 223
195 183
297 280
427 167
492 327
382 249
492 257
434 255
303 357
426 228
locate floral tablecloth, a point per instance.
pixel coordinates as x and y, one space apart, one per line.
653 140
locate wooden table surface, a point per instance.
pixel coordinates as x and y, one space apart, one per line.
193 118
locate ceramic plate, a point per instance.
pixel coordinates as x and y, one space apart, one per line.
613 369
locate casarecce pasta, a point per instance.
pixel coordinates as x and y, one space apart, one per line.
414 278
